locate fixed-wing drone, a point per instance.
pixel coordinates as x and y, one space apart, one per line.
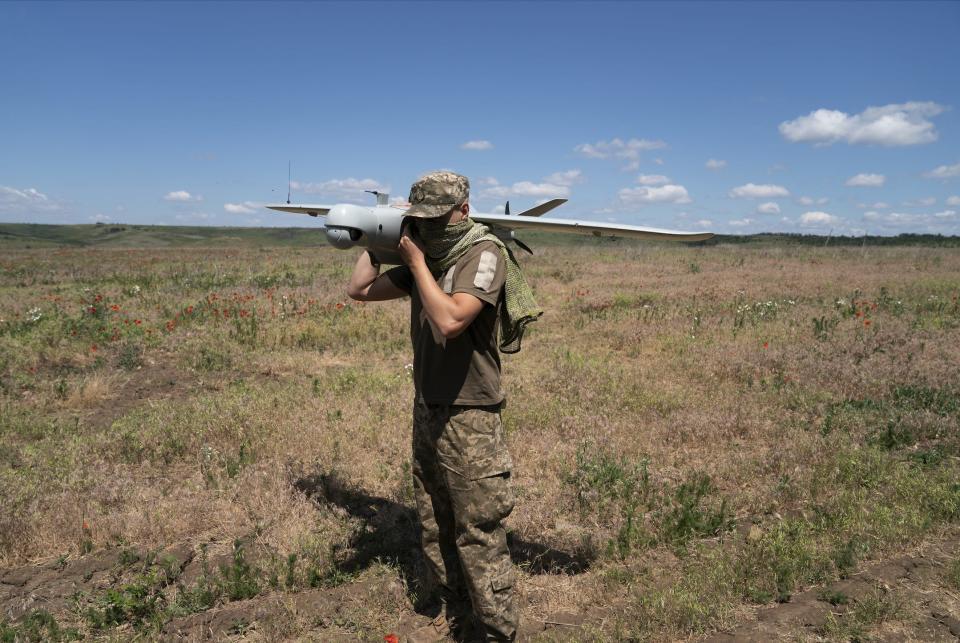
378 228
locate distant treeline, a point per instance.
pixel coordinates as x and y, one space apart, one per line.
34 235
123 235
908 239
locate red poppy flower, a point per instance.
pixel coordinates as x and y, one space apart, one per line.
339 306
766 344
114 307
866 322
391 638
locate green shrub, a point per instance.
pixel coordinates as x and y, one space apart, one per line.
38 626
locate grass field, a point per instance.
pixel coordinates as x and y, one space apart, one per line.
211 439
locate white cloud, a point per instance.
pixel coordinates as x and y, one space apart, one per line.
568 177
741 222
891 125
704 223
896 218
477 145
866 181
814 219
953 200
900 221
527 188
557 185
26 200
100 218
879 205
247 207
716 164
768 208
944 172
182 196
628 150
652 179
665 194
925 202
349 187
752 191
807 200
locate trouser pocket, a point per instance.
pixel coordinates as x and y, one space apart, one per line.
480 502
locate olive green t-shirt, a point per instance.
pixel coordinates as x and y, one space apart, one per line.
462 370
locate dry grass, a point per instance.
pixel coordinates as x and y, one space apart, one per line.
172 395
92 391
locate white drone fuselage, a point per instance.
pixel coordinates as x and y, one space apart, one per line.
378 228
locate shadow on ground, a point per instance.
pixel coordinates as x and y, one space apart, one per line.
392 533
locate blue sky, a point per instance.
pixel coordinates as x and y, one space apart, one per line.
734 117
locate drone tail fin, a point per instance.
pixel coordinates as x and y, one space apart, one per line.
543 208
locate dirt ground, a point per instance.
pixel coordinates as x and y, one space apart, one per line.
913 580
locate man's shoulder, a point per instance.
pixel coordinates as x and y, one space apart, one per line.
480 272
477 250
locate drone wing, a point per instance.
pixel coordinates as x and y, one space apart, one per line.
594 228
312 210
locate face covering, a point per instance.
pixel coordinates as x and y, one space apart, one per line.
439 238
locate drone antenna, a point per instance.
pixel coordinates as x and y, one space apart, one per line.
288 182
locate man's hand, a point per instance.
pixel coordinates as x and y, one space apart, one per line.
411 249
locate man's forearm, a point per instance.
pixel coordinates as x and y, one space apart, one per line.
449 316
364 274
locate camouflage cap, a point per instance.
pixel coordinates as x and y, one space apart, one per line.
435 194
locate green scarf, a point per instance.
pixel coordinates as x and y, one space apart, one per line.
444 245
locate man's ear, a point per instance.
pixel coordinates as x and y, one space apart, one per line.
465 208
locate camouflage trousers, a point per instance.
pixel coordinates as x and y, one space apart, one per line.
461 478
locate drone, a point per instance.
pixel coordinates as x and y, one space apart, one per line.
378 228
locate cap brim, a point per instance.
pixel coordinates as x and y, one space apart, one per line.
425 211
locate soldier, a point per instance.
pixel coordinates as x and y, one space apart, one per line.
464 286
